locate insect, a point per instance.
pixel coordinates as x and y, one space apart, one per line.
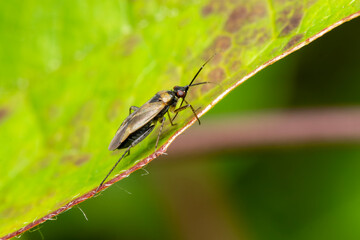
142 120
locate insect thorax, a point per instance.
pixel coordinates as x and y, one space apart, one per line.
167 97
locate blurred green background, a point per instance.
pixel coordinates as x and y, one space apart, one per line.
283 192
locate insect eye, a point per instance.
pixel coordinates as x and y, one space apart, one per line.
176 87
180 94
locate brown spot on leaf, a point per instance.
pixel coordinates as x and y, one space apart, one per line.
3 113
236 19
256 37
291 22
235 66
295 39
233 56
214 6
82 159
207 10
280 2
222 43
310 3
77 160
242 15
259 10
220 6
263 38
216 75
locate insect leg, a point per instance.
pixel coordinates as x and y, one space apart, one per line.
172 124
144 135
181 108
186 106
193 110
128 153
133 108
161 127
112 169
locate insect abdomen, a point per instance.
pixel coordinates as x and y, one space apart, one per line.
135 135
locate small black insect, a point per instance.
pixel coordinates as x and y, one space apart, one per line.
142 120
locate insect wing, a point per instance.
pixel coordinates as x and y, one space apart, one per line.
146 113
119 135
135 121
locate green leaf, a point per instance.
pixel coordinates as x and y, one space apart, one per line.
71 70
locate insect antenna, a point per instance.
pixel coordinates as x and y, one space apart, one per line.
201 68
182 100
200 83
